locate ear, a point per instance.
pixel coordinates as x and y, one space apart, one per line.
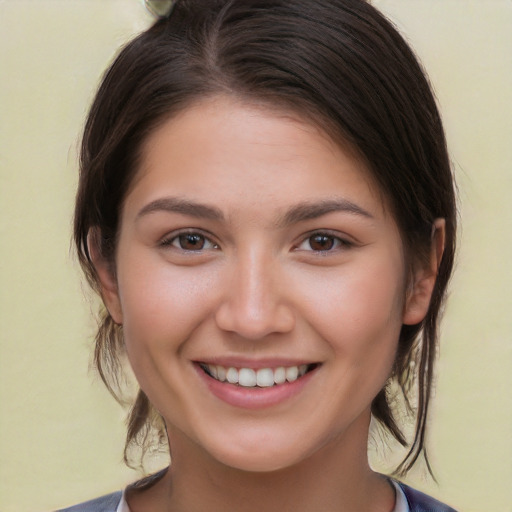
424 278
106 275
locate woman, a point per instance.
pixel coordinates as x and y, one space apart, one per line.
267 209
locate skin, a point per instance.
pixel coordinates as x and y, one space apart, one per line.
257 287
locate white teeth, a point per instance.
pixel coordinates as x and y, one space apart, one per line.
264 378
221 373
292 373
249 378
280 375
232 375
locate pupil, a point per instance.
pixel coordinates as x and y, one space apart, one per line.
321 242
191 242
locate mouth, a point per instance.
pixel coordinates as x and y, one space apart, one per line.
257 378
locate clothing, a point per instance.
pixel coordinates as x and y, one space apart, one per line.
401 504
108 503
417 501
123 505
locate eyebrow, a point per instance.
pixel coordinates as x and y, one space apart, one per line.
313 210
177 205
298 213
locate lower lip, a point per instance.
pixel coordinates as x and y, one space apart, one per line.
254 398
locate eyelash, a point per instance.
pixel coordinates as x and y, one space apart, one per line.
174 241
338 242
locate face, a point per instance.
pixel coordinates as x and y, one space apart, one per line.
260 281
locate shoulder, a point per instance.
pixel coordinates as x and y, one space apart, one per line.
419 502
108 503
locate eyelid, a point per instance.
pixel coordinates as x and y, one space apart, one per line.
344 241
167 240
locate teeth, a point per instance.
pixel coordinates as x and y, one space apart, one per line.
221 373
264 378
280 375
249 378
232 375
292 373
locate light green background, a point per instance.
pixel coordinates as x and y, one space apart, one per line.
60 433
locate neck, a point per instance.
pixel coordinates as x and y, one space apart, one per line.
335 478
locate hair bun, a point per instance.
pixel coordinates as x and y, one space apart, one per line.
159 8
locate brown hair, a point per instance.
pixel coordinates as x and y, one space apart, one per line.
338 63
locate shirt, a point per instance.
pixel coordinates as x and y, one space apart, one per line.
400 503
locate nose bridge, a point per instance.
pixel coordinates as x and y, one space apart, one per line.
256 286
254 304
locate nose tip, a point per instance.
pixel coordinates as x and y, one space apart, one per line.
254 305
254 324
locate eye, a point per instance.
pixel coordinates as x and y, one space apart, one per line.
322 242
190 241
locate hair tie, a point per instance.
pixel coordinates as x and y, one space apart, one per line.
159 8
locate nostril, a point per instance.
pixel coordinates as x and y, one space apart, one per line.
254 322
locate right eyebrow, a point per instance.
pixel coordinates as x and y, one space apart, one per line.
313 210
185 207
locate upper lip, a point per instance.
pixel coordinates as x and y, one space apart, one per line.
255 364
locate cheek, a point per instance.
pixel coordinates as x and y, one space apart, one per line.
162 304
361 321
359 312
350 301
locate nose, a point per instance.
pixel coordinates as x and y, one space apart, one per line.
254 302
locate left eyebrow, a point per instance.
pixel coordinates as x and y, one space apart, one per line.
313 210
182 206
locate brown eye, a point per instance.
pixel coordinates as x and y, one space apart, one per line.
191 242
322 242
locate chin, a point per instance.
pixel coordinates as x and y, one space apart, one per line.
259 463
264 457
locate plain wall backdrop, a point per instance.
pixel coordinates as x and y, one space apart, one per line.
61 435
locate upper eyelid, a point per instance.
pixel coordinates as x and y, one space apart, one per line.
345 242
169 237
343 237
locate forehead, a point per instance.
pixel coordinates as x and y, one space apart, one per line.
246 152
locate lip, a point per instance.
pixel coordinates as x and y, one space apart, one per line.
254 364
254 398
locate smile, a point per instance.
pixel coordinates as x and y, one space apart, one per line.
252 378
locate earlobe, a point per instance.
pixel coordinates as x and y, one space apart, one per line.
106 277
420 292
